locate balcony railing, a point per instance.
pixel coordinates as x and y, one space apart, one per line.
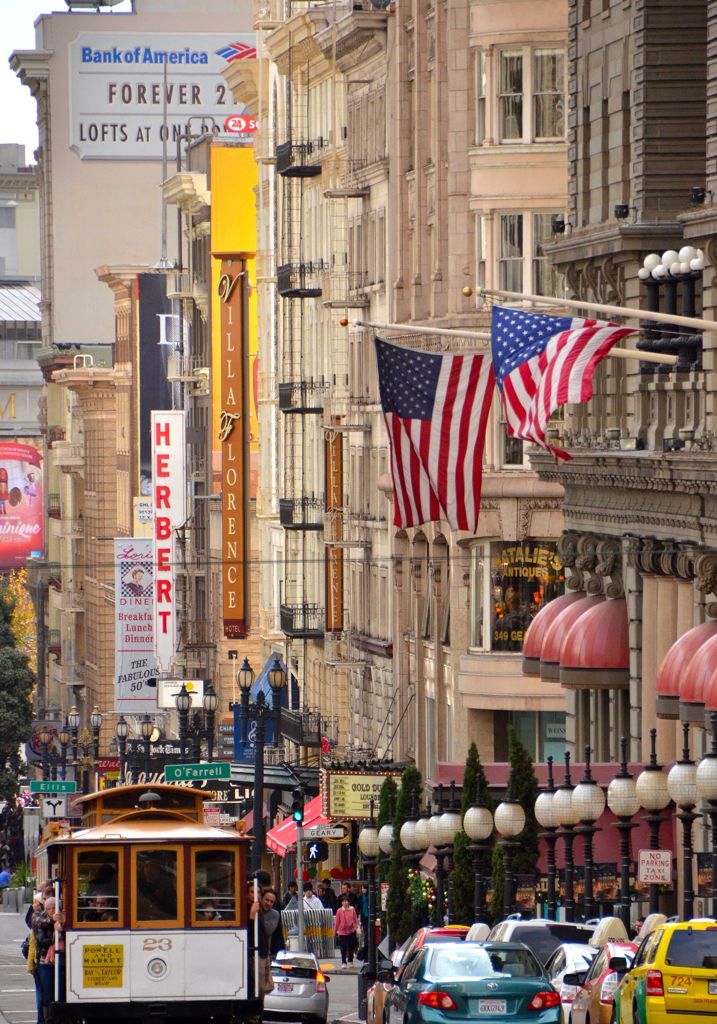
302 396
52 641
299 280
301 513
73 601
68 456
300 159
53 506
54 575
302 621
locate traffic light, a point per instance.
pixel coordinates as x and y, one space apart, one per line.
297 808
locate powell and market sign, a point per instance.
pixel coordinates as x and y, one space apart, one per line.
118 89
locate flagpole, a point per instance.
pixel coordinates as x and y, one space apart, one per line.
625 311
618 353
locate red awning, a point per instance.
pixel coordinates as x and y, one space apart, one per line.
282 837
556 633
674 665
537 629
595 653
694 681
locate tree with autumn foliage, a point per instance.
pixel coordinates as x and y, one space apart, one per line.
23 621
17 682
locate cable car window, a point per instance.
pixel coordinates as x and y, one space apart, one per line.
214 885
156 881
97 886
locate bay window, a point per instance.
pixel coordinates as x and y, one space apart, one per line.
531 95
522 263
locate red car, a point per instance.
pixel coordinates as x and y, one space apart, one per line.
376 996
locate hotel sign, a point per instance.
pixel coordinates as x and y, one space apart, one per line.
233 428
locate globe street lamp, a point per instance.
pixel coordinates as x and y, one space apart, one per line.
64 738
450 824
624 804
509 823
44 738
478 826
368 843
566 817
545 816
146 729
422 840
183 702
210 702
682 787
707 789
652 792
73 720
436 841
122 731
588 801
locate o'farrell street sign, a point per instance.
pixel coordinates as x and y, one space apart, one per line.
52 786
193 772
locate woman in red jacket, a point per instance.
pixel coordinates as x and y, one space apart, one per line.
345 928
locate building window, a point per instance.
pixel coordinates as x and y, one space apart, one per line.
531 95
510 583
479 71
510 253
522 263
542 733
546 278
480 223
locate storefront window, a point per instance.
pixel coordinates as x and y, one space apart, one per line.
510 583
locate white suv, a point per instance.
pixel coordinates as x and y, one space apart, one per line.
540 936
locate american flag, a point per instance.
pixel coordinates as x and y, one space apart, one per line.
541 362
436 409
236 51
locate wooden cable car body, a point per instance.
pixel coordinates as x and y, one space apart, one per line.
156 910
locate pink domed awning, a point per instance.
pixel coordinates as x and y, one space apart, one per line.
693 684
595 653
556 633
533 643
674 665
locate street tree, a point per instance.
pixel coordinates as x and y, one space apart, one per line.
386 807
17 682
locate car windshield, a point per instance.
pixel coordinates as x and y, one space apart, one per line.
690 948
467 962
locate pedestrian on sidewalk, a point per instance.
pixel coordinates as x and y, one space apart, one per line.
4 882
345 928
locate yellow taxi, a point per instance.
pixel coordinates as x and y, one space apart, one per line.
673 977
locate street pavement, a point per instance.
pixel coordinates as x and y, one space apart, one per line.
17 991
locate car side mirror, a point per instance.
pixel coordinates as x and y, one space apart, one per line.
577 980
618 964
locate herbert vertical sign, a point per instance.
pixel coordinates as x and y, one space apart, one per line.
118 94
169 488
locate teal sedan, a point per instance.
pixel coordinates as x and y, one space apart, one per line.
472 981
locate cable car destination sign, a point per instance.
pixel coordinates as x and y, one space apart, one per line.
348 794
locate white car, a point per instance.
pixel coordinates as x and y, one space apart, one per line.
568 958
540 935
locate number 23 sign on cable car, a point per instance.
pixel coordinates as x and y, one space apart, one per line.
238 123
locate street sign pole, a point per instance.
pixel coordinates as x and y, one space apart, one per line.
300 880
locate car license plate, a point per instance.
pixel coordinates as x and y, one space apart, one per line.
488 1006
285 986
712 988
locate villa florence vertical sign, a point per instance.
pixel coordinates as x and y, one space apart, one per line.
169 489
135 662
232 435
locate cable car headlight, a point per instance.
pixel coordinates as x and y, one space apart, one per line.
156 968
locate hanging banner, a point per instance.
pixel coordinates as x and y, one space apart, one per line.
169 489
22 507
136 667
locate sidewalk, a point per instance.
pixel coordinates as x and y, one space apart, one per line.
17 989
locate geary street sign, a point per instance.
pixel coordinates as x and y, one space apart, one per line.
324 832
193 772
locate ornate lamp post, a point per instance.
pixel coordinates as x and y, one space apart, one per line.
368 843
654 796
436 841
73 720
478 826
210 702
64 738
122 731
545 816
509 823
260 712
96 723
568 819
183 702
147 728
682 787
451 823
588 801
44 738
422 839
624 804
409 842
707 788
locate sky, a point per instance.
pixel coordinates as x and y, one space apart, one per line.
17 107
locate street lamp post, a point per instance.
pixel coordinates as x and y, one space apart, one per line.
451 823
368 843
682 787
73 720
183 702
423 840
64 738
409 841
44 738
436 840
566 817
260 712
624 804
146 729
210 702
122 731
478 826
707 788
588 801
545 816
509 823
96 723
654 796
